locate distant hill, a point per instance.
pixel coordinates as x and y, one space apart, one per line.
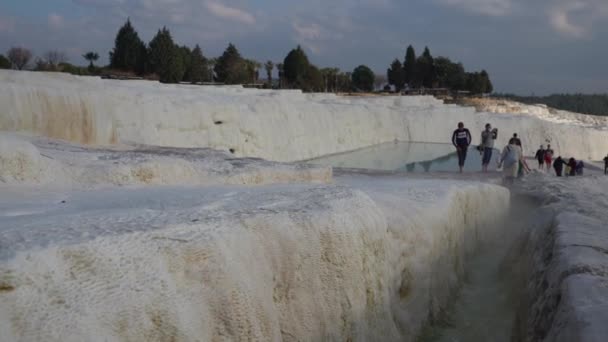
596 104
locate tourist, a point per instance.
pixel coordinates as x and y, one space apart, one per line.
606 165
509 161
517 140
461 138
558 165
540 156
579 168
572 167
548 156
487 144
523 166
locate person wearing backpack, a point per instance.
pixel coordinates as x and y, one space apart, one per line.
509 161
461 138
487 144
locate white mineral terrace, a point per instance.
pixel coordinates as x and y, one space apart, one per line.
105 236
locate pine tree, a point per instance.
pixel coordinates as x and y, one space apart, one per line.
487 84
295 67
409 66
197 70
166 59
395 75
129 53
425 70
231 68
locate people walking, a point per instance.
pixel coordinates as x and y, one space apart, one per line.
548 156
558 165
572 167
509 161
579 168
523 166
606 165
517 140
487 144
540 157
461 138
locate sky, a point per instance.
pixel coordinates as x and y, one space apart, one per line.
527 46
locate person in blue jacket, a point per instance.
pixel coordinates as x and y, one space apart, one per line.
461 138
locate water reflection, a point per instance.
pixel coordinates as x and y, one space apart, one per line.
407 156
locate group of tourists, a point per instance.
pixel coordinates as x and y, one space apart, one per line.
512 157
572 166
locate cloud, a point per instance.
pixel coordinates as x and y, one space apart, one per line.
495 8
314 36
55 21
308 32
559 20
576 19
7 24
230 13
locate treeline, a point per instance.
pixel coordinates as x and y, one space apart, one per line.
425 71
173 63
163 59
596 104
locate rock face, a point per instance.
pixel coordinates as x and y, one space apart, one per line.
567 296
274 125
280 262
40 161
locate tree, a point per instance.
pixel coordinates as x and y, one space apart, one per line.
363 78
313 80
129 53
330 79
197 68
269 66
91 57
425 71
456 79
281 74
55 57
409 66
253 67
395 75
4 62
19 57
295 67
344 82
487 84
167 60
231 68
475 84
443 70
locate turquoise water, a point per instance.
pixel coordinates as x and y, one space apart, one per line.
407 156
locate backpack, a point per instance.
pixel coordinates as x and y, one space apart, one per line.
510 157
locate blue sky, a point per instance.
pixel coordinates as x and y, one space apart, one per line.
527 46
